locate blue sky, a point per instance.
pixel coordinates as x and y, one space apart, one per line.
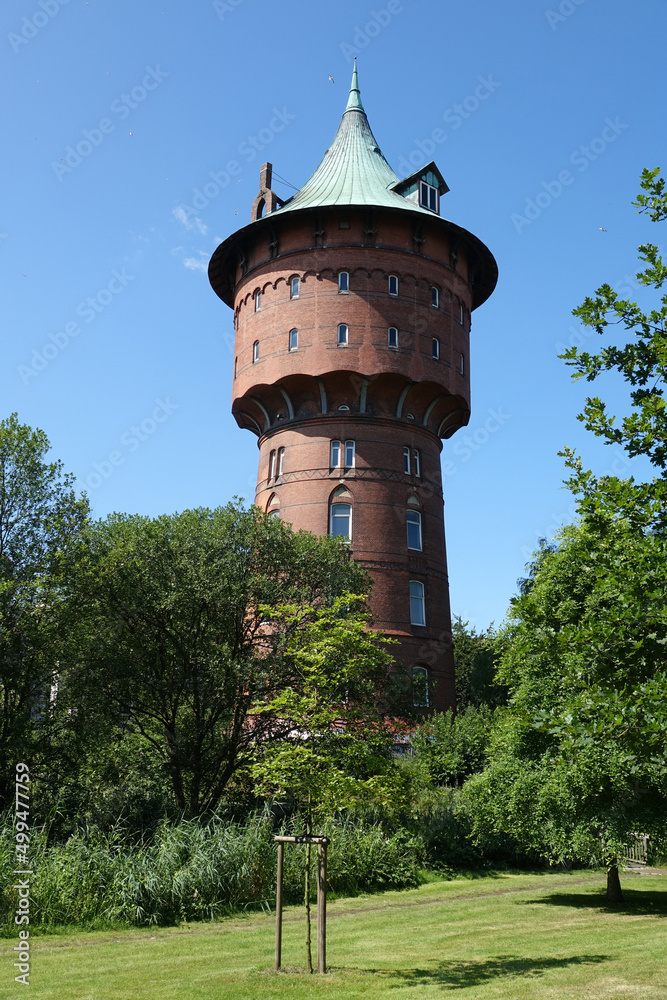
108 321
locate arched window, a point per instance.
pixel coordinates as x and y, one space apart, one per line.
392 336
350 449
420 687
340 513
435 348
414 522
294 288
273 506
258 300
343 281
393 284
281 462
293 340
417 612
255 351
260 209
342 335
435 297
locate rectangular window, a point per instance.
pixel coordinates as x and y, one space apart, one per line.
435 348
294 288
272 465
418 463
392 336
342 335
293 340
406 461
281 461
343 282
435 297
340 522
462 364
349 454
258 301
417 614
334 460
414 519
255 351
428 196
393 284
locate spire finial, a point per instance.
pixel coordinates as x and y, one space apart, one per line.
354 100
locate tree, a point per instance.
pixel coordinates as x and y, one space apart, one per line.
474 666
41 521
579 759
336 751
176 641
450 748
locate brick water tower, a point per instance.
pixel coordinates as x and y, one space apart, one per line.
352 302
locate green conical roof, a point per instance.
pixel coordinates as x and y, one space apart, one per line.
353 170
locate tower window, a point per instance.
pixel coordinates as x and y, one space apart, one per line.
406 461
392 336
417 615
462 364
258 300
420 687
281 462
340 520
272 465
349 454
294 288
461 313
293 340
334 457
344 222
418 463
343 281
255 351
273 506
393 284
428 196
236 366
414 520
435 348
435 297
342 335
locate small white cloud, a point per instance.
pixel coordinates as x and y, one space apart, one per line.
189 221
196 263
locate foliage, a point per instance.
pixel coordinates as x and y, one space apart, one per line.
173 642
41 519
474 664
451 747
194 870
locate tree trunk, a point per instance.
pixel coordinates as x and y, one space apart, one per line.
614 891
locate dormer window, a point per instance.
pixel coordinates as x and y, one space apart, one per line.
428 196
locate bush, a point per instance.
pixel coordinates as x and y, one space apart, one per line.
193 871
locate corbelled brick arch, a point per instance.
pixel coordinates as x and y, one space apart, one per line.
352 307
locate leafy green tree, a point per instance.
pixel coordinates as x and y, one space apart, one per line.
578 761
41 520
474 665
336 750
174 641
452 747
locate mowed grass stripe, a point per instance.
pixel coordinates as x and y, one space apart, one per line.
544 936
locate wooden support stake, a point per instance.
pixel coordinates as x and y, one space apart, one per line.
279 905
322 906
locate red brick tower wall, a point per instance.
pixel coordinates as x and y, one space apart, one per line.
385 399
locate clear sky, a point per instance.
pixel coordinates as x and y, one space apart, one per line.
119 113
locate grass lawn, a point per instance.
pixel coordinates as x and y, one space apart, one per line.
503 937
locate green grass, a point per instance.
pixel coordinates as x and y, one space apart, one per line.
497 937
